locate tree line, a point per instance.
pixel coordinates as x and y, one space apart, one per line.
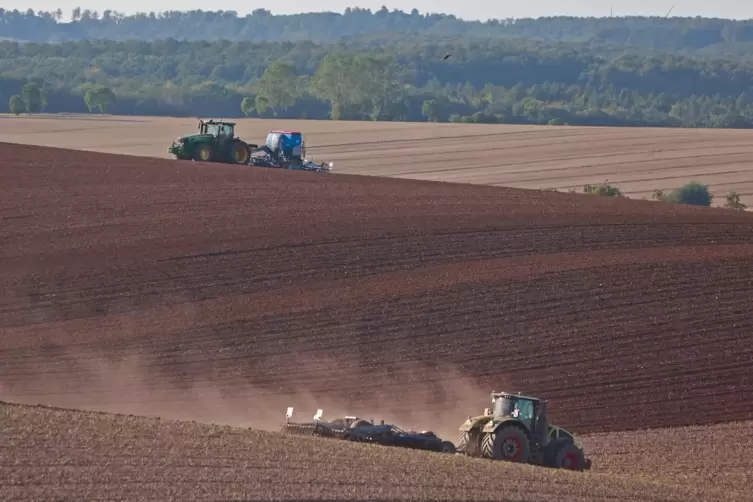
484 80
656 32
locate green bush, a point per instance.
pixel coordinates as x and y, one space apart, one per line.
604 189
16 105
733 202
693 194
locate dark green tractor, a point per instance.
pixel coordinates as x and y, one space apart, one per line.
216 142
517 429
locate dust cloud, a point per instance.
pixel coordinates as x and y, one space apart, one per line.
138 383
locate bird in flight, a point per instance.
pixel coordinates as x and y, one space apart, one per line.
446 56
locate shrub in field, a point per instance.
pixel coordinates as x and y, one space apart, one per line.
693 194
733 202
604 189
16 105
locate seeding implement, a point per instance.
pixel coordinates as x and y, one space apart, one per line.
286 150
352 428
517 429
216 142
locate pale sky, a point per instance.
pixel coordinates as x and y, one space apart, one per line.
735 9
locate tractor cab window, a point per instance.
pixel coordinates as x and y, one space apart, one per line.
219 130
525 410
226 130
509 406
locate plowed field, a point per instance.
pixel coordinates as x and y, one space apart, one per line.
68 455
216 293
638 160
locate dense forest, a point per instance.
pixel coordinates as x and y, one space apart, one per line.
376 75
664 33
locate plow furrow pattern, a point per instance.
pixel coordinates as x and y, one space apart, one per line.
171 288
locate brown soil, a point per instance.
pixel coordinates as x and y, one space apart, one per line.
223 294
219 293
638 160
69 455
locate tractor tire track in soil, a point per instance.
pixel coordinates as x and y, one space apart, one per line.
219 293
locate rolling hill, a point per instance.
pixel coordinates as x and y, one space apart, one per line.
637 160
207 291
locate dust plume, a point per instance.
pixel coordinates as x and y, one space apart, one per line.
410 395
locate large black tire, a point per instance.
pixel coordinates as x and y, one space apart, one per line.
463 442
507 443
487 446
468 444
203 153
240 153
568 456
550 450
447 447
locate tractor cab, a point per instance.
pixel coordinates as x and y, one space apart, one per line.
287 145
218 129
522 408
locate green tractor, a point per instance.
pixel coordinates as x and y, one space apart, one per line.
516 429
216 142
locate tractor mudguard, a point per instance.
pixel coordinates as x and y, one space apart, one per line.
494 424
475 423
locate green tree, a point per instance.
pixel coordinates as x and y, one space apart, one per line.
279 86
431 110
32 98
247 107
261 104
16 105
335 81
100 98
376 77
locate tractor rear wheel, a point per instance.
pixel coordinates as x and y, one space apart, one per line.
240 153
508 443
203 153
568 456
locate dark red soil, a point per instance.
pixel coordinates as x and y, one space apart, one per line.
56 454
204 290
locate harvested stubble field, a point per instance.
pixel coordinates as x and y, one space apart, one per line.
209 292
71 455
638 160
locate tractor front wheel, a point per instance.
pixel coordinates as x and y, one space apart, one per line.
469 443
508 443
203 153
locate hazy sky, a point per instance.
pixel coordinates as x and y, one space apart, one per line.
736 9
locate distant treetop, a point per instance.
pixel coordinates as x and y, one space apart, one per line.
674 33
